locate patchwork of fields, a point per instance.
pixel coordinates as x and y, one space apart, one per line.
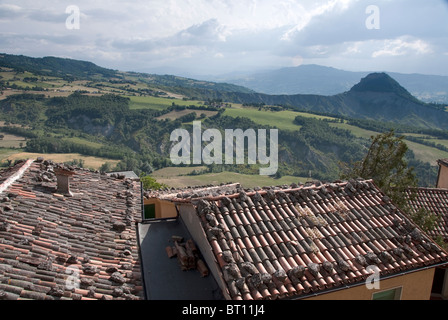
89 162
180 178
11 145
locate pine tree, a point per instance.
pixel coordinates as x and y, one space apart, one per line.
385 163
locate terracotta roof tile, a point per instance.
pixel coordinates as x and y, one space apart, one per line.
47 239
436 202
194 192
294 241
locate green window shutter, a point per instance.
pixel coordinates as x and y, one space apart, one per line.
150 211
393 294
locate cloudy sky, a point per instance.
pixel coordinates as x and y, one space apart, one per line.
205 37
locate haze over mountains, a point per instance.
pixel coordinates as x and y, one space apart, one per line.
315 79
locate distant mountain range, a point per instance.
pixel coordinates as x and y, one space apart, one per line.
320 80
71 69
376 97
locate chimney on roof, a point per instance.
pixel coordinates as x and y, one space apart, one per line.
63 180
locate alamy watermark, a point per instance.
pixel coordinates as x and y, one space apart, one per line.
373 281
72 280
189 149
373 20
73 21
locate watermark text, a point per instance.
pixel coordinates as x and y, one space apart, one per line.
189 150
373 281
373 20
73 21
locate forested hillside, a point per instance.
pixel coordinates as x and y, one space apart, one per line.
53 66
105 126
140 140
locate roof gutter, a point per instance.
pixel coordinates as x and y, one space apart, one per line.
344 287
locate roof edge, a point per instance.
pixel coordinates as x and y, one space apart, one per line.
443 162
363 282
427 189
263 192
17 175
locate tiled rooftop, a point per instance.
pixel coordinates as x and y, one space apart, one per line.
58 247
443 161
193 192
289 243
434 201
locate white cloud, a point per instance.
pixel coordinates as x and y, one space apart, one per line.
321 8
7 7
402 46
208 31
353 49
213 34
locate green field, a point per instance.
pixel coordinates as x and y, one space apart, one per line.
356 131
177 178
85 142
11 141
18 79
422 152
89 162
283 120
5 153
439 141
157 103
177 114
425 153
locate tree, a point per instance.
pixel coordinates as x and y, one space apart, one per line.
149 183
105 167
425 220
385 163
147 168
